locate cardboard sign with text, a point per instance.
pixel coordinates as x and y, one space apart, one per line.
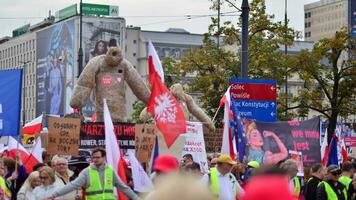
63 136
144 141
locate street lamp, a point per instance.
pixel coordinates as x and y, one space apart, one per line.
80 51
24 91
245 9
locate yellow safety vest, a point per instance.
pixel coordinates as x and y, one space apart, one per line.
6 193
214 182
330 192
346 181
296 186
96 191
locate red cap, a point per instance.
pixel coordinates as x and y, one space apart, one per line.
269 187
166 163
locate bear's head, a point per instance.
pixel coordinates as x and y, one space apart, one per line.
114 56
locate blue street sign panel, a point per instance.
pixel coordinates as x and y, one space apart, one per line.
10 101
254 99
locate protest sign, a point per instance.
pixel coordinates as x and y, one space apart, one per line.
92 135
144 140
298 158
195 145
213 140
268 142
63 136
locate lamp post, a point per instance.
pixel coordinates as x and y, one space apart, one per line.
244 46
286 52
80 51
245 9
24 91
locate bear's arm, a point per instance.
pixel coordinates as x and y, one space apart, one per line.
86 83
199 113
135 82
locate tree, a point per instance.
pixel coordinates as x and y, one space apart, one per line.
213 65
330 79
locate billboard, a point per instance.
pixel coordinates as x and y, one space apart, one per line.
55 68
98 35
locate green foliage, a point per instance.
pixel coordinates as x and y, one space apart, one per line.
330 79
138 106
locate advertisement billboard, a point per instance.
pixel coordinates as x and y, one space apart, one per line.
98 35
55 68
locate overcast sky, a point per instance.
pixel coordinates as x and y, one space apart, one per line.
143 13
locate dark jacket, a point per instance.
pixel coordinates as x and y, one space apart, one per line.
21 178
338 189
311 187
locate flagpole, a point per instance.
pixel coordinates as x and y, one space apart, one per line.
216 113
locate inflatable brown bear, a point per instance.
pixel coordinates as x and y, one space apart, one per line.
105 75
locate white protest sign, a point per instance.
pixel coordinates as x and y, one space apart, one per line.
195 145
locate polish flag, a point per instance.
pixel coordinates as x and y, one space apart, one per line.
33 127
227 144
36 150
324 151
154 64
341 144
27 160
113 153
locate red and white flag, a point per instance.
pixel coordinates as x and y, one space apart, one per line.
113 153
154 63
227 144
33 127
142 183
324 150
167 112
36 150
27 160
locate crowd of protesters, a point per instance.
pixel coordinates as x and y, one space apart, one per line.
174 179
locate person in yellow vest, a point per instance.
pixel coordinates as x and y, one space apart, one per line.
5 193
292 169
98 179
346 177
317 172
331 188
222 182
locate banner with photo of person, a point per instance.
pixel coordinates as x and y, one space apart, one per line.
269 142
98 35
55 68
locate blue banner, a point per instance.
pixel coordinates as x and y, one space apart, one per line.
10 102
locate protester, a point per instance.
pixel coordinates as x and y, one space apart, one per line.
193 169
163 165
251 167
187 159
213 162
5 192
317 173
98 179
222 183
292 169
346 177
63 176
26 191
48 186
15 175
331 188
38 166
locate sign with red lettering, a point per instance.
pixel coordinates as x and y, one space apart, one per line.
106 81
270 142
92 135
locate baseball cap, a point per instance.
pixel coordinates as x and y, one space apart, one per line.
166 163
224 158
253 164
332 168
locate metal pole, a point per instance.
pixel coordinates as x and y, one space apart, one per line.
218 36
80 51
286 52
244 57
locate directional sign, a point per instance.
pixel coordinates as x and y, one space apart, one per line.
254 98
99 9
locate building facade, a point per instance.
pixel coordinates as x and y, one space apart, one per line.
323 18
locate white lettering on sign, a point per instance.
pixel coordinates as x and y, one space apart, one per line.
1 127
237 87
240 96
0 108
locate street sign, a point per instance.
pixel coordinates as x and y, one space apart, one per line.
254 98
22 30
67 12
100 9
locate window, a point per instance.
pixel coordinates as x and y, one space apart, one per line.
307 34
134 41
